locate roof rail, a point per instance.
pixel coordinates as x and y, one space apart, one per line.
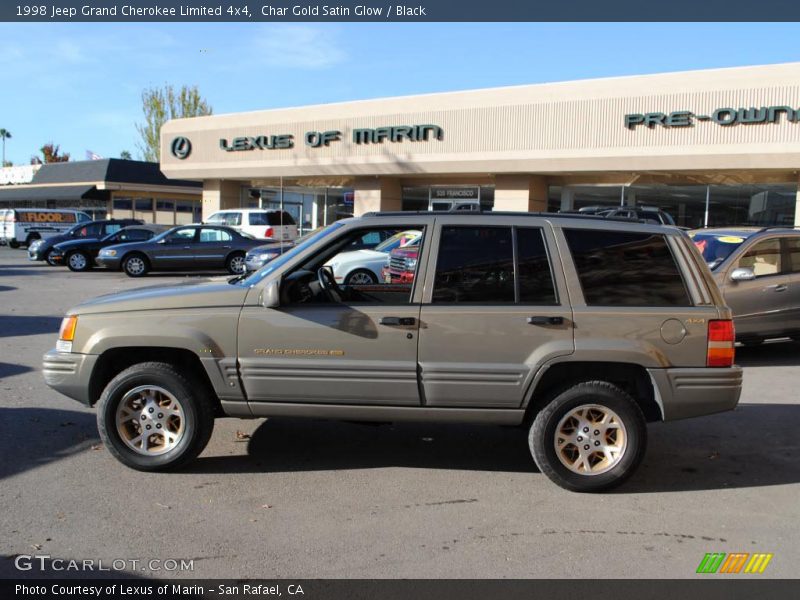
474 213
769 227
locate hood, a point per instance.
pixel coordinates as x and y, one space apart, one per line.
207 293
359 255
55 239
74 243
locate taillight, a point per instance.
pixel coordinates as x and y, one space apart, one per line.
720 343
269 232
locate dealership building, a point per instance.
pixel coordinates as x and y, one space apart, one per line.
712 148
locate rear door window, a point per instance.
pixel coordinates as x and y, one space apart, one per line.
535 276
622 268
793 254
764 258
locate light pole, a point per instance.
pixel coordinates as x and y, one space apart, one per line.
4 135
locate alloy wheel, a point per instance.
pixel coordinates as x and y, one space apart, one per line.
590 439
77 261
134 265
150 420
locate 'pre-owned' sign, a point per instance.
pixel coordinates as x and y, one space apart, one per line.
721 116
319 139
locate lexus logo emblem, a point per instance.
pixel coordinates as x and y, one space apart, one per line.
181 147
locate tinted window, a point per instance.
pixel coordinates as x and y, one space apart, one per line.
475 264
134 235
618 268
535 276
273 218
112 227
181 235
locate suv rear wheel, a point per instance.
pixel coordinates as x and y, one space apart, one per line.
152 418
589 438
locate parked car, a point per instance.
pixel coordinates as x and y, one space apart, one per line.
259 223
581 329
42 249
80 254
402 263
648 214
26 225
184 248
758 271
365 266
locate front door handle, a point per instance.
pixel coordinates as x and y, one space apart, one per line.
778 287
539 320
398 321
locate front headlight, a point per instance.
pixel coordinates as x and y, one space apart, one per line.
67 333
108 252
411 264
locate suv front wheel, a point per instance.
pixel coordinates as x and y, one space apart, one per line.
589 438
152 418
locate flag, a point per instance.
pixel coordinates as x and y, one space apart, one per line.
92 156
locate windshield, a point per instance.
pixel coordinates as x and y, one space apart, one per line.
397 240
716 247
287 256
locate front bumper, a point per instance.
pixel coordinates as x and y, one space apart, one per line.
107 262
69 373
694 392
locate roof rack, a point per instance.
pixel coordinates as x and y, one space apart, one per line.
508 213
769 227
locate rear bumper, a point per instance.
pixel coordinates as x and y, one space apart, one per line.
694 392
69 373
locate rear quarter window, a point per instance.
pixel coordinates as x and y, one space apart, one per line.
621 268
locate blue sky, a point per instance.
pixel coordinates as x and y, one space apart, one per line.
79 85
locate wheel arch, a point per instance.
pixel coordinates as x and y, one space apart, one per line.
115 360
630 377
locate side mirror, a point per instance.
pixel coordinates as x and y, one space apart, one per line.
743 274
271 294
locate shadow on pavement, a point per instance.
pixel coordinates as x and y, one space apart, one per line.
32 437
11 369
287 445
750 447
7 288
780 353
19 325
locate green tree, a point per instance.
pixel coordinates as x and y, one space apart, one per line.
5 134
50 154
162 104
125 155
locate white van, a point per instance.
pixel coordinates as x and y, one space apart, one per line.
20 226
258 222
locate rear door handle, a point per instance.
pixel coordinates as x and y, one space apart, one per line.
778 287
398 321
539 320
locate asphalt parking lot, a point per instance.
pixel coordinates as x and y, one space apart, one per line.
291 498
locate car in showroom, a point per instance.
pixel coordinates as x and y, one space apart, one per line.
581 329
41 249
80 254
758 271
258 222
182 248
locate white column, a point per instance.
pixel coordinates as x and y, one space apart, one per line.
567 198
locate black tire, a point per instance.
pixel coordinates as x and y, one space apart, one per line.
32 238
196 408
49 259
75 257
362 272
13 244
135 264
542 436
234 259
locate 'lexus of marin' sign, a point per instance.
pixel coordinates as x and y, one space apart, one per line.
721 116
321 139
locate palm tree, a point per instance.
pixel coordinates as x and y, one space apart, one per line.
4 135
